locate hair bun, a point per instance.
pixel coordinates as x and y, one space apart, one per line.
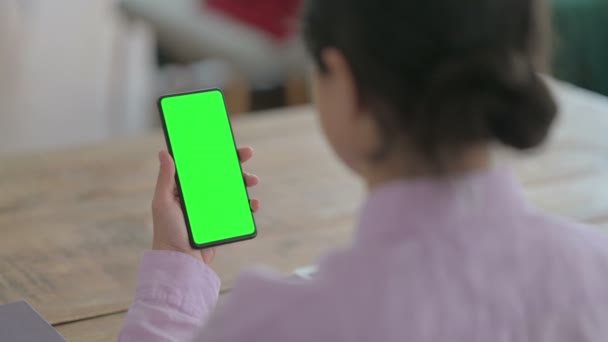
526 116
491 97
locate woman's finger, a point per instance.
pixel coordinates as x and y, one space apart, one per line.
251 179
245 153
254 204
208 255
165 185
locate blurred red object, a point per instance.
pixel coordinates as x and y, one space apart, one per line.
275 17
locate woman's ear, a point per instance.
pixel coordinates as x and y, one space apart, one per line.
342 84
348 124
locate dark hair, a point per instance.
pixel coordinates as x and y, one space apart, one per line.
447 73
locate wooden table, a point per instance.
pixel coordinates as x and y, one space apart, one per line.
75 222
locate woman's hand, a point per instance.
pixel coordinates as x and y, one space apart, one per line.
170 232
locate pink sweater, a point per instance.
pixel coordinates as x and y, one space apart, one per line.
462 260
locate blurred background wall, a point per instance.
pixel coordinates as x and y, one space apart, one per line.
64 66
74 71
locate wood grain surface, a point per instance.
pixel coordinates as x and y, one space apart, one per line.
98 329
74 222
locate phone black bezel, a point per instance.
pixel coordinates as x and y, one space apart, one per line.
193 244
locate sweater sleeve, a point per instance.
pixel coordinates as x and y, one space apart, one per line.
174 297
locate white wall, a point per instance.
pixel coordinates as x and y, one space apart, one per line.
69 73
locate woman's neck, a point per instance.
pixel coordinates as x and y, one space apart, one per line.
396 167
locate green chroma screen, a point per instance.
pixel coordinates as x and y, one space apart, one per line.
208 168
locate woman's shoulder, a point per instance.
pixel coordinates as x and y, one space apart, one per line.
568 235
571 253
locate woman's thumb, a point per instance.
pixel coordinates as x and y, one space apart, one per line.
165 185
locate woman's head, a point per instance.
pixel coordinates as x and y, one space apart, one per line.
428 79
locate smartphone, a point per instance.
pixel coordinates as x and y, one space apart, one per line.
209 178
